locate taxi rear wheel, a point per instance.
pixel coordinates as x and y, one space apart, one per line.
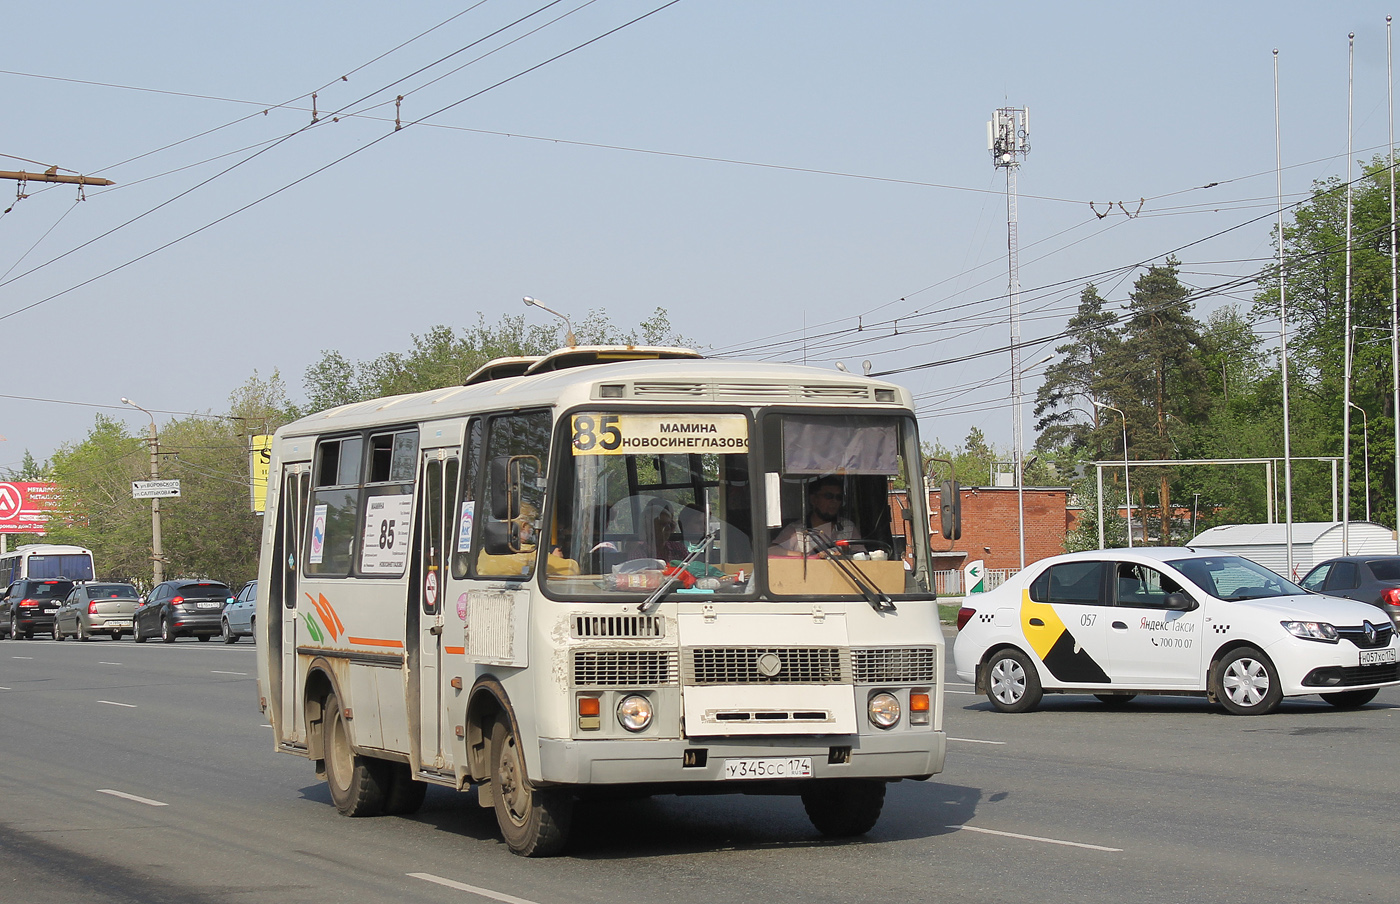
1012 683
1351 699
1246 683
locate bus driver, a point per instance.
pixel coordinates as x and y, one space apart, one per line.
824 498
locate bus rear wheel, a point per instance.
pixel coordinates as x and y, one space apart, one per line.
534 821
842 808
357 783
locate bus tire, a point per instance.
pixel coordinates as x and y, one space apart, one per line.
405 794
356 782
534 821
841 808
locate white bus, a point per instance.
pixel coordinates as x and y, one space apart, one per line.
46 560
560 579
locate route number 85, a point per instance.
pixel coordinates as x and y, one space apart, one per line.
603 433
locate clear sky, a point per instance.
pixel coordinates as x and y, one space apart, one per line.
789 180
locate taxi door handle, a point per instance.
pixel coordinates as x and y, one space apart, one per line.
1038 622
1120 626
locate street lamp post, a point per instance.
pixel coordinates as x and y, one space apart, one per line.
1366 454
157 553
1126 490
568 324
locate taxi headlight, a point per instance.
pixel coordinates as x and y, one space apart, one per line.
884 710
1311 630
634 712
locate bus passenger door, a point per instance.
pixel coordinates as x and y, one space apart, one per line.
440 469
296 484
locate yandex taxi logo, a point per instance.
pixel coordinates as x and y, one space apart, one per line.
1055 644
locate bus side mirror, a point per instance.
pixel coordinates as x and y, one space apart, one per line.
950 509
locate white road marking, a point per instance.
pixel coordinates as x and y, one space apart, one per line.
4 688
21 657
115 703
217 672
975 741
100 662
472 889
140 800
1078 844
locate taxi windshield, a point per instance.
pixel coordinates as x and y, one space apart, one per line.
1234 578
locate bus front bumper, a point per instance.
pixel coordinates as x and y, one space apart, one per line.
664 761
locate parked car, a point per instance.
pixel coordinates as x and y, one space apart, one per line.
238 615
1118 622
188 608
96 608
28 606
1366 579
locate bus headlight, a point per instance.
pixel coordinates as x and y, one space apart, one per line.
634 712
884 710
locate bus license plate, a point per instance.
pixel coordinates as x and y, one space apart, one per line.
769 767
1378 657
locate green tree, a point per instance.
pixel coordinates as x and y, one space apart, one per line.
1065 396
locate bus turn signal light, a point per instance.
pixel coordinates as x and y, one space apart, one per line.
590 713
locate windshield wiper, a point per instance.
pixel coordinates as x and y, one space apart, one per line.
674 577
877 598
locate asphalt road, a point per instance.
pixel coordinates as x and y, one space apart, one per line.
146 773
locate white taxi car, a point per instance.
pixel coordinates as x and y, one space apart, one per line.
1116 623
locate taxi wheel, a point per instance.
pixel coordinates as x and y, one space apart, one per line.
136 634
356 782
226 633
844 808
1115 700
1351 699
1246 683
57 634
83 635
534 821
1012 683
167 633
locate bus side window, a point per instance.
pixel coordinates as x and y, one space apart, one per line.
466 506
517 446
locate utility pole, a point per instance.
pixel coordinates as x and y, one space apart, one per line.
1008 140
157 553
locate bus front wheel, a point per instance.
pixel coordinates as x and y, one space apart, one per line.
533 821
841 808
357 783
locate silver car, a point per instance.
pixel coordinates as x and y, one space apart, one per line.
238 615
96 608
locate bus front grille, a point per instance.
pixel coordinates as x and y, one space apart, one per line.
767 665
895 665
586 626
624 668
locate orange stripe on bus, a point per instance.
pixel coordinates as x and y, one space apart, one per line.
375 642
455 650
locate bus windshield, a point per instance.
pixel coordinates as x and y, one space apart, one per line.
648 499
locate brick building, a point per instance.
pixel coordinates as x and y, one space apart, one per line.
989 526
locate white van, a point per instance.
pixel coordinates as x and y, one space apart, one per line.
1116 623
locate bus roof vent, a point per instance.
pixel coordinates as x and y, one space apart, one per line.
649 389
500 368
835 393
584 355
752 392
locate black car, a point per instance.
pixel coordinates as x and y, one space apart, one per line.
29 606
1366 579
189 608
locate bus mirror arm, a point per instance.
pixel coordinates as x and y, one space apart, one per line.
660 592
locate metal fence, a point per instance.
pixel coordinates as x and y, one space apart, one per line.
950 583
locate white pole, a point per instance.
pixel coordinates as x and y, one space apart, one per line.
1346 331
1394 300
1283 335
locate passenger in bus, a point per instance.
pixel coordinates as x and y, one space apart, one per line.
656 538
825 496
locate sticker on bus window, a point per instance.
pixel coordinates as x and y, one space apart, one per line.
464 528
384 546
659 434
318 535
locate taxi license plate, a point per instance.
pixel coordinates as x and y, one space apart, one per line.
117 624
1378 657
769 767
208 604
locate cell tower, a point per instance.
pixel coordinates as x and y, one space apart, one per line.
1008 140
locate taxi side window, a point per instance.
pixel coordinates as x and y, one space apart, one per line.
1070 582
1143 587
